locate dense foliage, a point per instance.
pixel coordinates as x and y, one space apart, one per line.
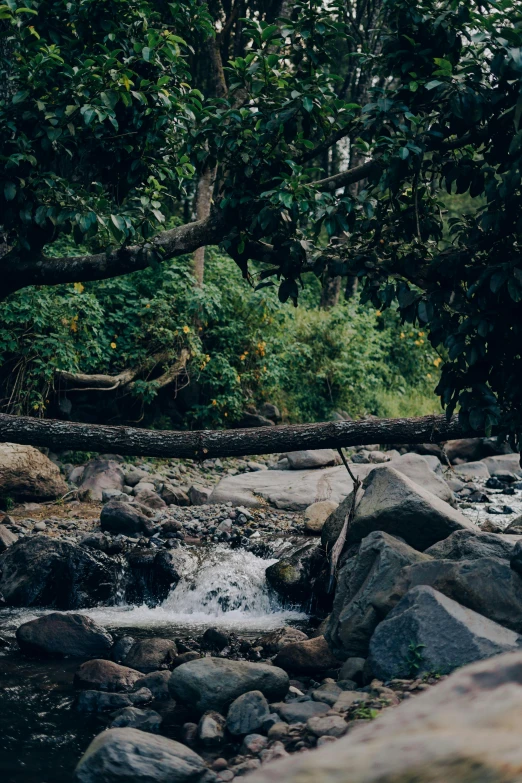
248 349
111 108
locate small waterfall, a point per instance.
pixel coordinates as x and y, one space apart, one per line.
219 587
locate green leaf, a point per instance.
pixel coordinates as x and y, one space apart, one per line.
308 103
269 31
9 191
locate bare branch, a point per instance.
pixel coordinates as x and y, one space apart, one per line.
356 174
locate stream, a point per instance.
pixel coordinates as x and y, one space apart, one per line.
42 735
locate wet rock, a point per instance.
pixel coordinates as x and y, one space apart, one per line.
121 648
6 538
101 701
215 639
132 756
352 669
247 713
157 683
212 683
328 693
471 545
102 675
316 515
211 729
153 573
293 577
274 641
299 711
316 458
58 635
199 495
371 573
43 571
487 586
428 632
118 516
100 474
327 726
150 655
134 718
310 657
27 474
396 505
190 655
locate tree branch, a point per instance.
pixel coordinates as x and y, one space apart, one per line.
18 272
348 177
227 443
94 381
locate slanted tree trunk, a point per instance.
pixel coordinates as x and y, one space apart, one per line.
203 444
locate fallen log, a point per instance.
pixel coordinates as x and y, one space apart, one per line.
203 444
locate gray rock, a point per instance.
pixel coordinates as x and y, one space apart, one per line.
247 713
133 756
299 711
316 515
270 411
473 470
58 634
418 469
134 718
254 744
199 495
157 683
327 726
101 701
121 648
214 683
134 475
150 655
211 729
328 693
352 669
471 545
504 463
294 577
118 516
317 458
151 499
6 538
274 641
487 586
394 504
100 474
44 571
428 632
27 474
174 496
102 675
373 572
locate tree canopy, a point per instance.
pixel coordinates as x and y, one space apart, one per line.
326 135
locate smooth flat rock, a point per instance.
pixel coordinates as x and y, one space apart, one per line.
150 655
299 711
312 656
295 490
214 683
312 458
101 675
473 470
134 718
132 756
58 635
428 632
464 730
471 545
503 463
247 713
316 515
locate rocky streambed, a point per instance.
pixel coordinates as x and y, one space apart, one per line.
176 619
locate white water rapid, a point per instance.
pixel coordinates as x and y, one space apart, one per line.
219 587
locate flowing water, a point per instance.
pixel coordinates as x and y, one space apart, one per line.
42 736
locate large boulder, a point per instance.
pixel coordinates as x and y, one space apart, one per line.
132 756
59 634
214 683
312 656
397 505
465 730
118 516
153 573
273 641
316 515
27 474
42 571
247 713
294 577
488 586
316 458
295 490
471 545
100 475
505 463
472 470
150 655
429 632
371 573
420 470
102 675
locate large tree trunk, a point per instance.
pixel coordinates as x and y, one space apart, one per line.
203 444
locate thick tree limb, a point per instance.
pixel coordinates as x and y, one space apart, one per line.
226 443
348 177
16 272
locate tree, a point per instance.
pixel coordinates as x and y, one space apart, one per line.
102 136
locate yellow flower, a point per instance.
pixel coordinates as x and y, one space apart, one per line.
225 414
147 305
214 402
428 375
186 329
402 335
242 357
421 334
238 378
378 312
79 287
437 361
113 345
418 342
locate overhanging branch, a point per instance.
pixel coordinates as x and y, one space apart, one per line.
204 444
